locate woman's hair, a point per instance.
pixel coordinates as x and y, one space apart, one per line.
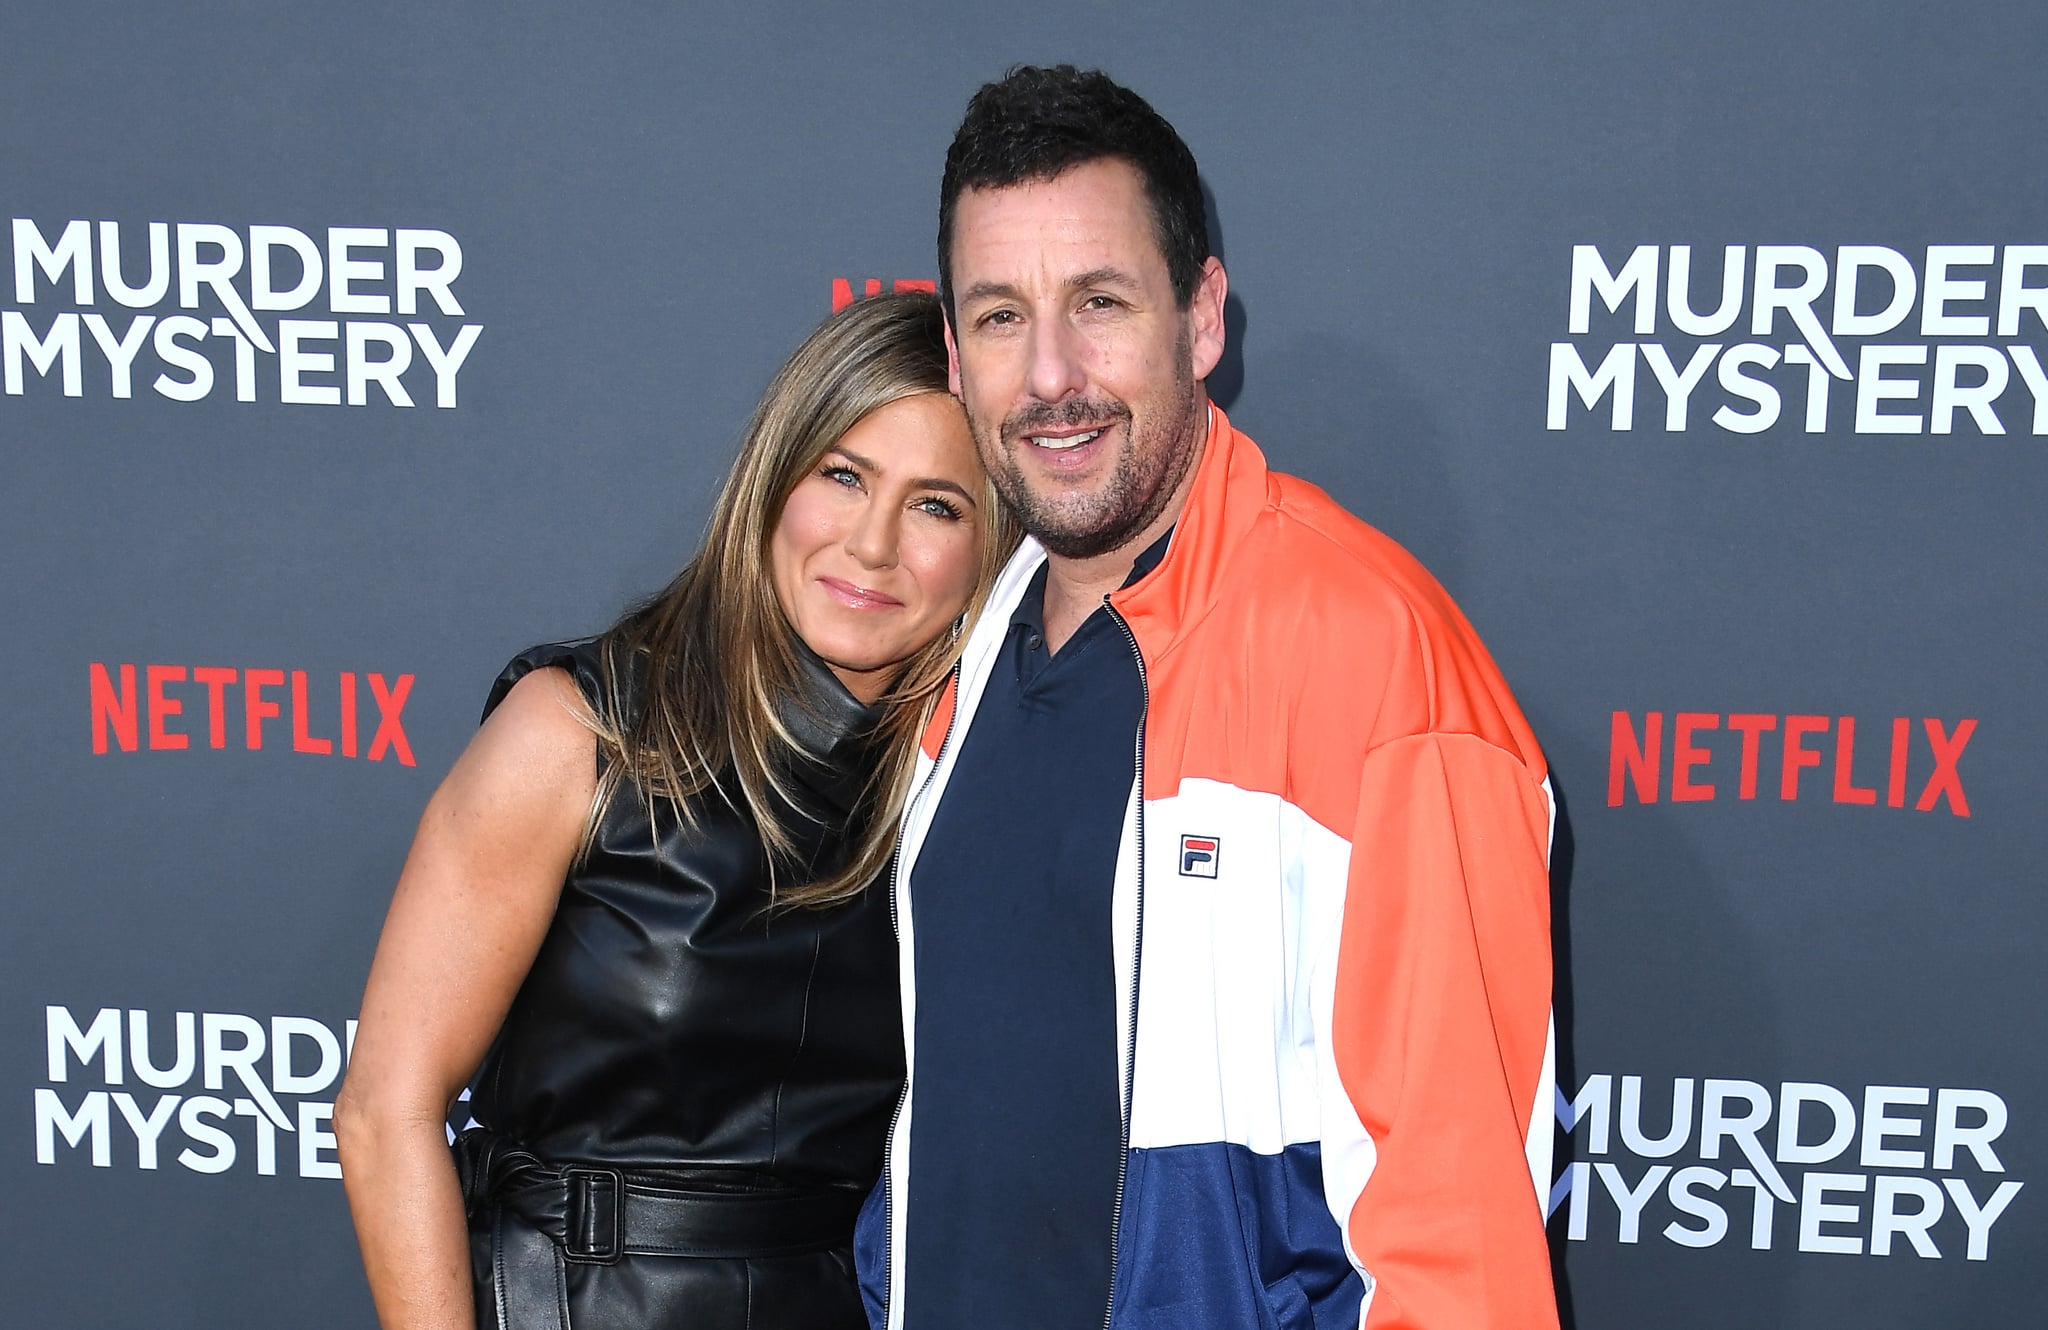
718 656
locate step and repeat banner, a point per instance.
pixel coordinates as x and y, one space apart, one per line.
1699 350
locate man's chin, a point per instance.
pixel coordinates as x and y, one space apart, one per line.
1077 549
1075 538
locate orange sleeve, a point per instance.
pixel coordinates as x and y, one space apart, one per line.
1440 1028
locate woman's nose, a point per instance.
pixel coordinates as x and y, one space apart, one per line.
872 538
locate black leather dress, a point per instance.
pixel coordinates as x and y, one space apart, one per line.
688 1099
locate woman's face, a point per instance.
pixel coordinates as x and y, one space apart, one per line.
876 551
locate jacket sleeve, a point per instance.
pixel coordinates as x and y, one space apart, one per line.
1436 1129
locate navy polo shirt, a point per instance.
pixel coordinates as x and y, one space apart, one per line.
1016 1137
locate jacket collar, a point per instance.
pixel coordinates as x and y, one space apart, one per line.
1231 488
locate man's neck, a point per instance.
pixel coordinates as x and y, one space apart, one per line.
1075 587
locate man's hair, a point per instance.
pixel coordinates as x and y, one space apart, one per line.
1036 123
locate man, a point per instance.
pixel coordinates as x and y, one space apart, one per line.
1222 890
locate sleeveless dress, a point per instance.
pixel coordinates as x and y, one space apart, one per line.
687 1102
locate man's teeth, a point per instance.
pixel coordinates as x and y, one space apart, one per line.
1047 441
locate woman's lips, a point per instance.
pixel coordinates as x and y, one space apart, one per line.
858 597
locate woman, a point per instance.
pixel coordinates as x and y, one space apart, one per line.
687 995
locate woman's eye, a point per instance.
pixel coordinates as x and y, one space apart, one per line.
841 475
938 507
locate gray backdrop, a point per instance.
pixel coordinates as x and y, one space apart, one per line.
1794 1031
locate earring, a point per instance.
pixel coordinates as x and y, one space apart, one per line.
959 625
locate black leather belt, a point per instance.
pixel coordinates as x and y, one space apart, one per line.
546 1216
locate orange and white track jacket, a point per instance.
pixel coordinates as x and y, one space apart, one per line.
1331 928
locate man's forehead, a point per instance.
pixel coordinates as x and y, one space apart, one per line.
1089 219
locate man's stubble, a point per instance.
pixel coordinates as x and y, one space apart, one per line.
1146 478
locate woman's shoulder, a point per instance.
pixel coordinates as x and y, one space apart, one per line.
583 660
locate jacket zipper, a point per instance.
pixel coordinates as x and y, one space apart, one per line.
1123 1159
903 1095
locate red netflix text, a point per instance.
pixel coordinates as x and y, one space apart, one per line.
842 289
1816 757
177 704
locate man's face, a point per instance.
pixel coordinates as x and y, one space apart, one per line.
1079 372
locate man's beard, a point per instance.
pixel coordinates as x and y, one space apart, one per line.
1148 470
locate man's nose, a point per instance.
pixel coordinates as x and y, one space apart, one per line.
1055 372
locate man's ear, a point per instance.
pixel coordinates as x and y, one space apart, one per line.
1205 314
952 359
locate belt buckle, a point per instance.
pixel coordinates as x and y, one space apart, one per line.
595 1225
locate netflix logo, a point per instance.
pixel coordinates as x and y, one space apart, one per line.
842 289
172 706
1713 756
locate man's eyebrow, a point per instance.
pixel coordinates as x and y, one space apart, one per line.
920 483
1104 276
988 291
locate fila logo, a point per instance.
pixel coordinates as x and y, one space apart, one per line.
1198 855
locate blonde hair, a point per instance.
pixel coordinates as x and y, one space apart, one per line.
718 655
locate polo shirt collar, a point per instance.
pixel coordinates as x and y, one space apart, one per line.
1030 612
